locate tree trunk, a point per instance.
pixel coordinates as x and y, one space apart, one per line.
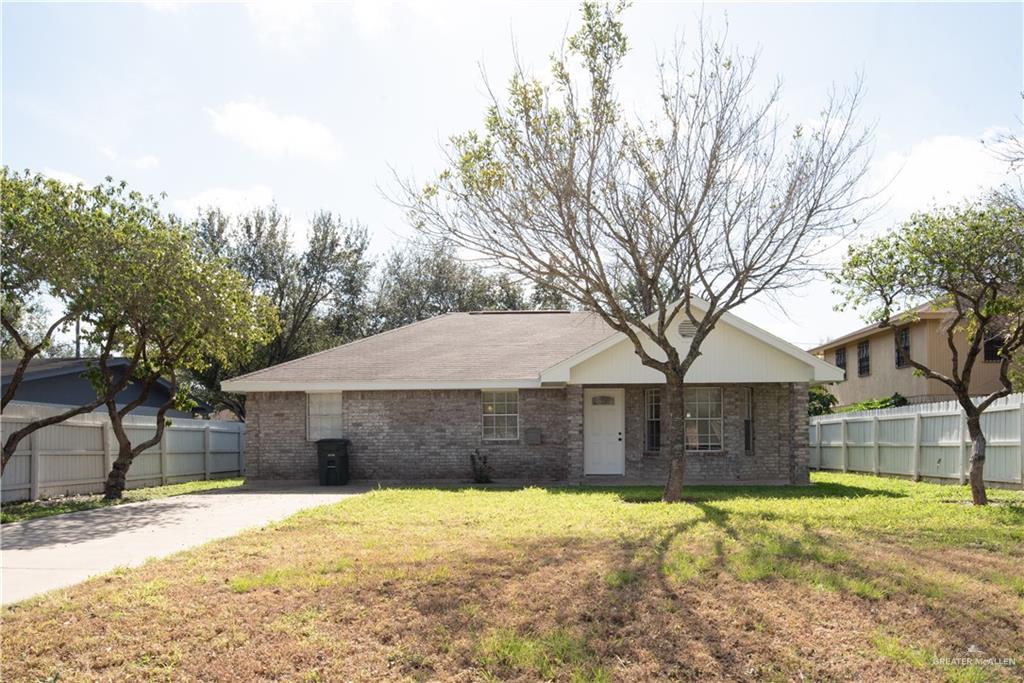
9 449
117 480
677 443
977 475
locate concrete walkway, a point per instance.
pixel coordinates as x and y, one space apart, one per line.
40 555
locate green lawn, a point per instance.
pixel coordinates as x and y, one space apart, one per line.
854 578
18 512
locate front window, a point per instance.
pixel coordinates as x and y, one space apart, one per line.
993 348
501 415
703 406
323 416
903 347
864 358
652 415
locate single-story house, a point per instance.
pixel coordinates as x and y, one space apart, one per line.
547 396
62 382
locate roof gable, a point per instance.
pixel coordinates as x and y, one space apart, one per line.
735 351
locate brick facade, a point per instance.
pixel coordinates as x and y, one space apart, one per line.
428 435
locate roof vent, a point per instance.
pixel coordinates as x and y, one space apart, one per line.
687 329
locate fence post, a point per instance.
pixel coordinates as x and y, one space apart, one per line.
874 447
108 447
817 442
917 446
962 451
163 457
206 452
846 448
241 450
33 478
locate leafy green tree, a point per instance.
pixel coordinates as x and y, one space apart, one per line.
178 308
427 278
967 260
684 214
320 294
44 251
55 242
544 297
820 401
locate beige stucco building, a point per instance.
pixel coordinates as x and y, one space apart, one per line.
874 369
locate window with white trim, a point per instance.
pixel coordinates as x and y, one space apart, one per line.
703 406
501 415
323 416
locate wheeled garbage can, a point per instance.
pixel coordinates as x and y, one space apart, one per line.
332 460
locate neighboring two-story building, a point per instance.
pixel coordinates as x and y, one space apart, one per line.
875 361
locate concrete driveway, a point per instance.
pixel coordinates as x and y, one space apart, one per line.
40 555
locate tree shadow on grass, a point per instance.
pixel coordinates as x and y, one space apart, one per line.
691 493
698 493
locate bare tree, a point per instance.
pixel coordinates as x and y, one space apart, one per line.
691 213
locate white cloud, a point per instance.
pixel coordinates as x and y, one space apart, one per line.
165 6
230 200
372 17
143 162
940 170
64 176
147 161
295 26
256 127
286 25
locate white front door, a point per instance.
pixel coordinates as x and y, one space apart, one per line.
604 421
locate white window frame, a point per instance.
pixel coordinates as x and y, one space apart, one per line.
694 409
316 402
494 414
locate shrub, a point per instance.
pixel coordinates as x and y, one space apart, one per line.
482 471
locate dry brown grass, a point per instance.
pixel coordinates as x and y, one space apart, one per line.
855 579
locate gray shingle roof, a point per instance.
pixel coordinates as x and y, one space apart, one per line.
515 345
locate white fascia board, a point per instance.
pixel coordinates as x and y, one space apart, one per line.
244 386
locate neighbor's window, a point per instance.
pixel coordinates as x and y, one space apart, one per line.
841 359
993 345
746 406
703 406
864 358
323 416
903 347
501 415
652 419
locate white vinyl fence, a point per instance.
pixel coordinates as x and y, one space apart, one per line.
74 457
928 441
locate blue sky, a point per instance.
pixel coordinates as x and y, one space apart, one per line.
310 105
